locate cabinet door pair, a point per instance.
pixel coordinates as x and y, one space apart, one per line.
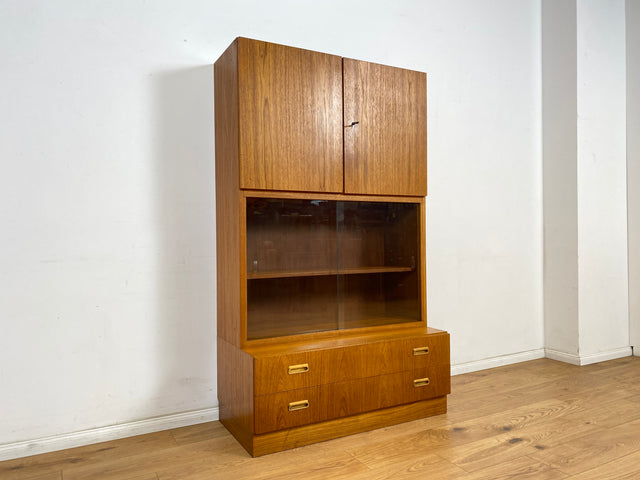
314 122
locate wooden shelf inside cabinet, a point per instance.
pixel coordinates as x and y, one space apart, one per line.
322 272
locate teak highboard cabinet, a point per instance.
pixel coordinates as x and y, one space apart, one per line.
321 173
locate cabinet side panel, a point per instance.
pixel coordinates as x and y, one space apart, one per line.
385 152
291 117
235 392
227 195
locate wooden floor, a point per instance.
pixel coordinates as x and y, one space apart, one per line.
542 420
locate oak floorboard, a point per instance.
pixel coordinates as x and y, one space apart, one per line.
487 452
538 436
96 454
609 413
542 420
290 464
146 464
54 475
634 395
199 433
417 467
594 449
387 435
520 468
467 433
624 366
625 468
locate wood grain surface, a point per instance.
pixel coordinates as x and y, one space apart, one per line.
385 152
331 365
228 224
290 116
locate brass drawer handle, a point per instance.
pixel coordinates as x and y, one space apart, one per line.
421 382
421 351
302 368
293 406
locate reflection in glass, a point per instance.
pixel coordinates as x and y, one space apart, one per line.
318 265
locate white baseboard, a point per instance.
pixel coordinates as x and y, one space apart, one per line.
562 356
103 434
497 361
588 359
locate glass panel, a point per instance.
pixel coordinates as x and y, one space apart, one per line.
378 252
318 265
291 267
290 306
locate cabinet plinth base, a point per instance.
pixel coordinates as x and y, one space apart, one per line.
341 427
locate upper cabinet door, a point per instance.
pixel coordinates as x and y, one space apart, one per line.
289 118
385 134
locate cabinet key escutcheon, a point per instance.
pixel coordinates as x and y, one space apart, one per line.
301 368
293 406
421 382
421 351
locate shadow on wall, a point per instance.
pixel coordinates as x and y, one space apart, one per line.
183 149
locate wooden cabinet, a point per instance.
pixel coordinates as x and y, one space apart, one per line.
318 123
320 184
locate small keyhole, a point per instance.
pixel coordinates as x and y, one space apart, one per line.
354 123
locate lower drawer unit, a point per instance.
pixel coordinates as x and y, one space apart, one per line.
279 396
324 402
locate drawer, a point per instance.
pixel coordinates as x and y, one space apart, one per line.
428 350
286 372
324 402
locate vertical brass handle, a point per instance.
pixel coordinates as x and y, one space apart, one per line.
293 406
421 382
421 351
302 368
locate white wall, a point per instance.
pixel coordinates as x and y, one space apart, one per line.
560 197
484 203
107 270
584 180
107 267
601 178
633 166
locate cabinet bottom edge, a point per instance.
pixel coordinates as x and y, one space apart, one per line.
341 427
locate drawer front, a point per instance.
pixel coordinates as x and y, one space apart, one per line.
324 402
422 352
319 367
